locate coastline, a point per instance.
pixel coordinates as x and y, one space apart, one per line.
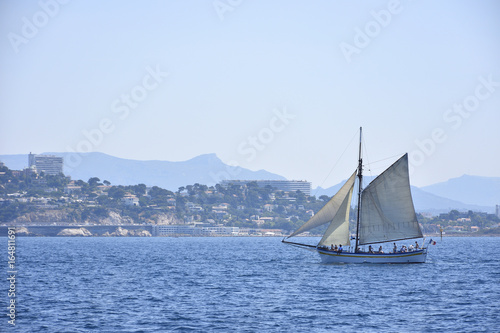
138 230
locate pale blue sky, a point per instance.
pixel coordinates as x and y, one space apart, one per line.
234 65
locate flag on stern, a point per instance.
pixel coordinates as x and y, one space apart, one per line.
432 242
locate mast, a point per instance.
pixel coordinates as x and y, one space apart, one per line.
360 178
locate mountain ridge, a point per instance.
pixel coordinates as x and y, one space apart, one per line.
205 169
480 189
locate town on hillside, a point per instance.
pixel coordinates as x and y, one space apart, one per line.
41 195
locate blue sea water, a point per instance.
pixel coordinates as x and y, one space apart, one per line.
245 285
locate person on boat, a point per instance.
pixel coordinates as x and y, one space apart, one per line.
339 249
410 248
395 249
416 245
332 248
370 249
380 249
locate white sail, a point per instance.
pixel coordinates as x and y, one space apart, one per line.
387 212
338 230
329 211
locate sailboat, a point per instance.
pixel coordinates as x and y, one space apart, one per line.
385 214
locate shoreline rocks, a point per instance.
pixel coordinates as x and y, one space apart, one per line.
77 232
120 232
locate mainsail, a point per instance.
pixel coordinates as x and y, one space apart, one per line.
335 212
387 212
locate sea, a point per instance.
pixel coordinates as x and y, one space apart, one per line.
244 284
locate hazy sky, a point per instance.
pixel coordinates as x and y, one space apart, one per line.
276 85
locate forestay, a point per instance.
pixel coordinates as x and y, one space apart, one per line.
387 212
328 213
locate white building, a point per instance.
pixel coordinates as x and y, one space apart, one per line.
192 230
268 207
49 164
222 206
130 200
282 185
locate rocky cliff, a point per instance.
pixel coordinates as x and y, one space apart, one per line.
75 232
120 232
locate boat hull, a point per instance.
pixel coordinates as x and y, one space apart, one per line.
332 257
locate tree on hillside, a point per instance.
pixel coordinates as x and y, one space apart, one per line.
325 198
301 197
190 190
139 189
103 200
94 181
116 192
57 181
219 188
453 215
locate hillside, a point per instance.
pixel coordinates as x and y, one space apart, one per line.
28 199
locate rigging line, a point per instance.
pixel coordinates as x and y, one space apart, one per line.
387 158
370 168
324 180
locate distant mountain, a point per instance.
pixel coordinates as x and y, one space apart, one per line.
15 162
423 200
472 189
431 203
205 169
